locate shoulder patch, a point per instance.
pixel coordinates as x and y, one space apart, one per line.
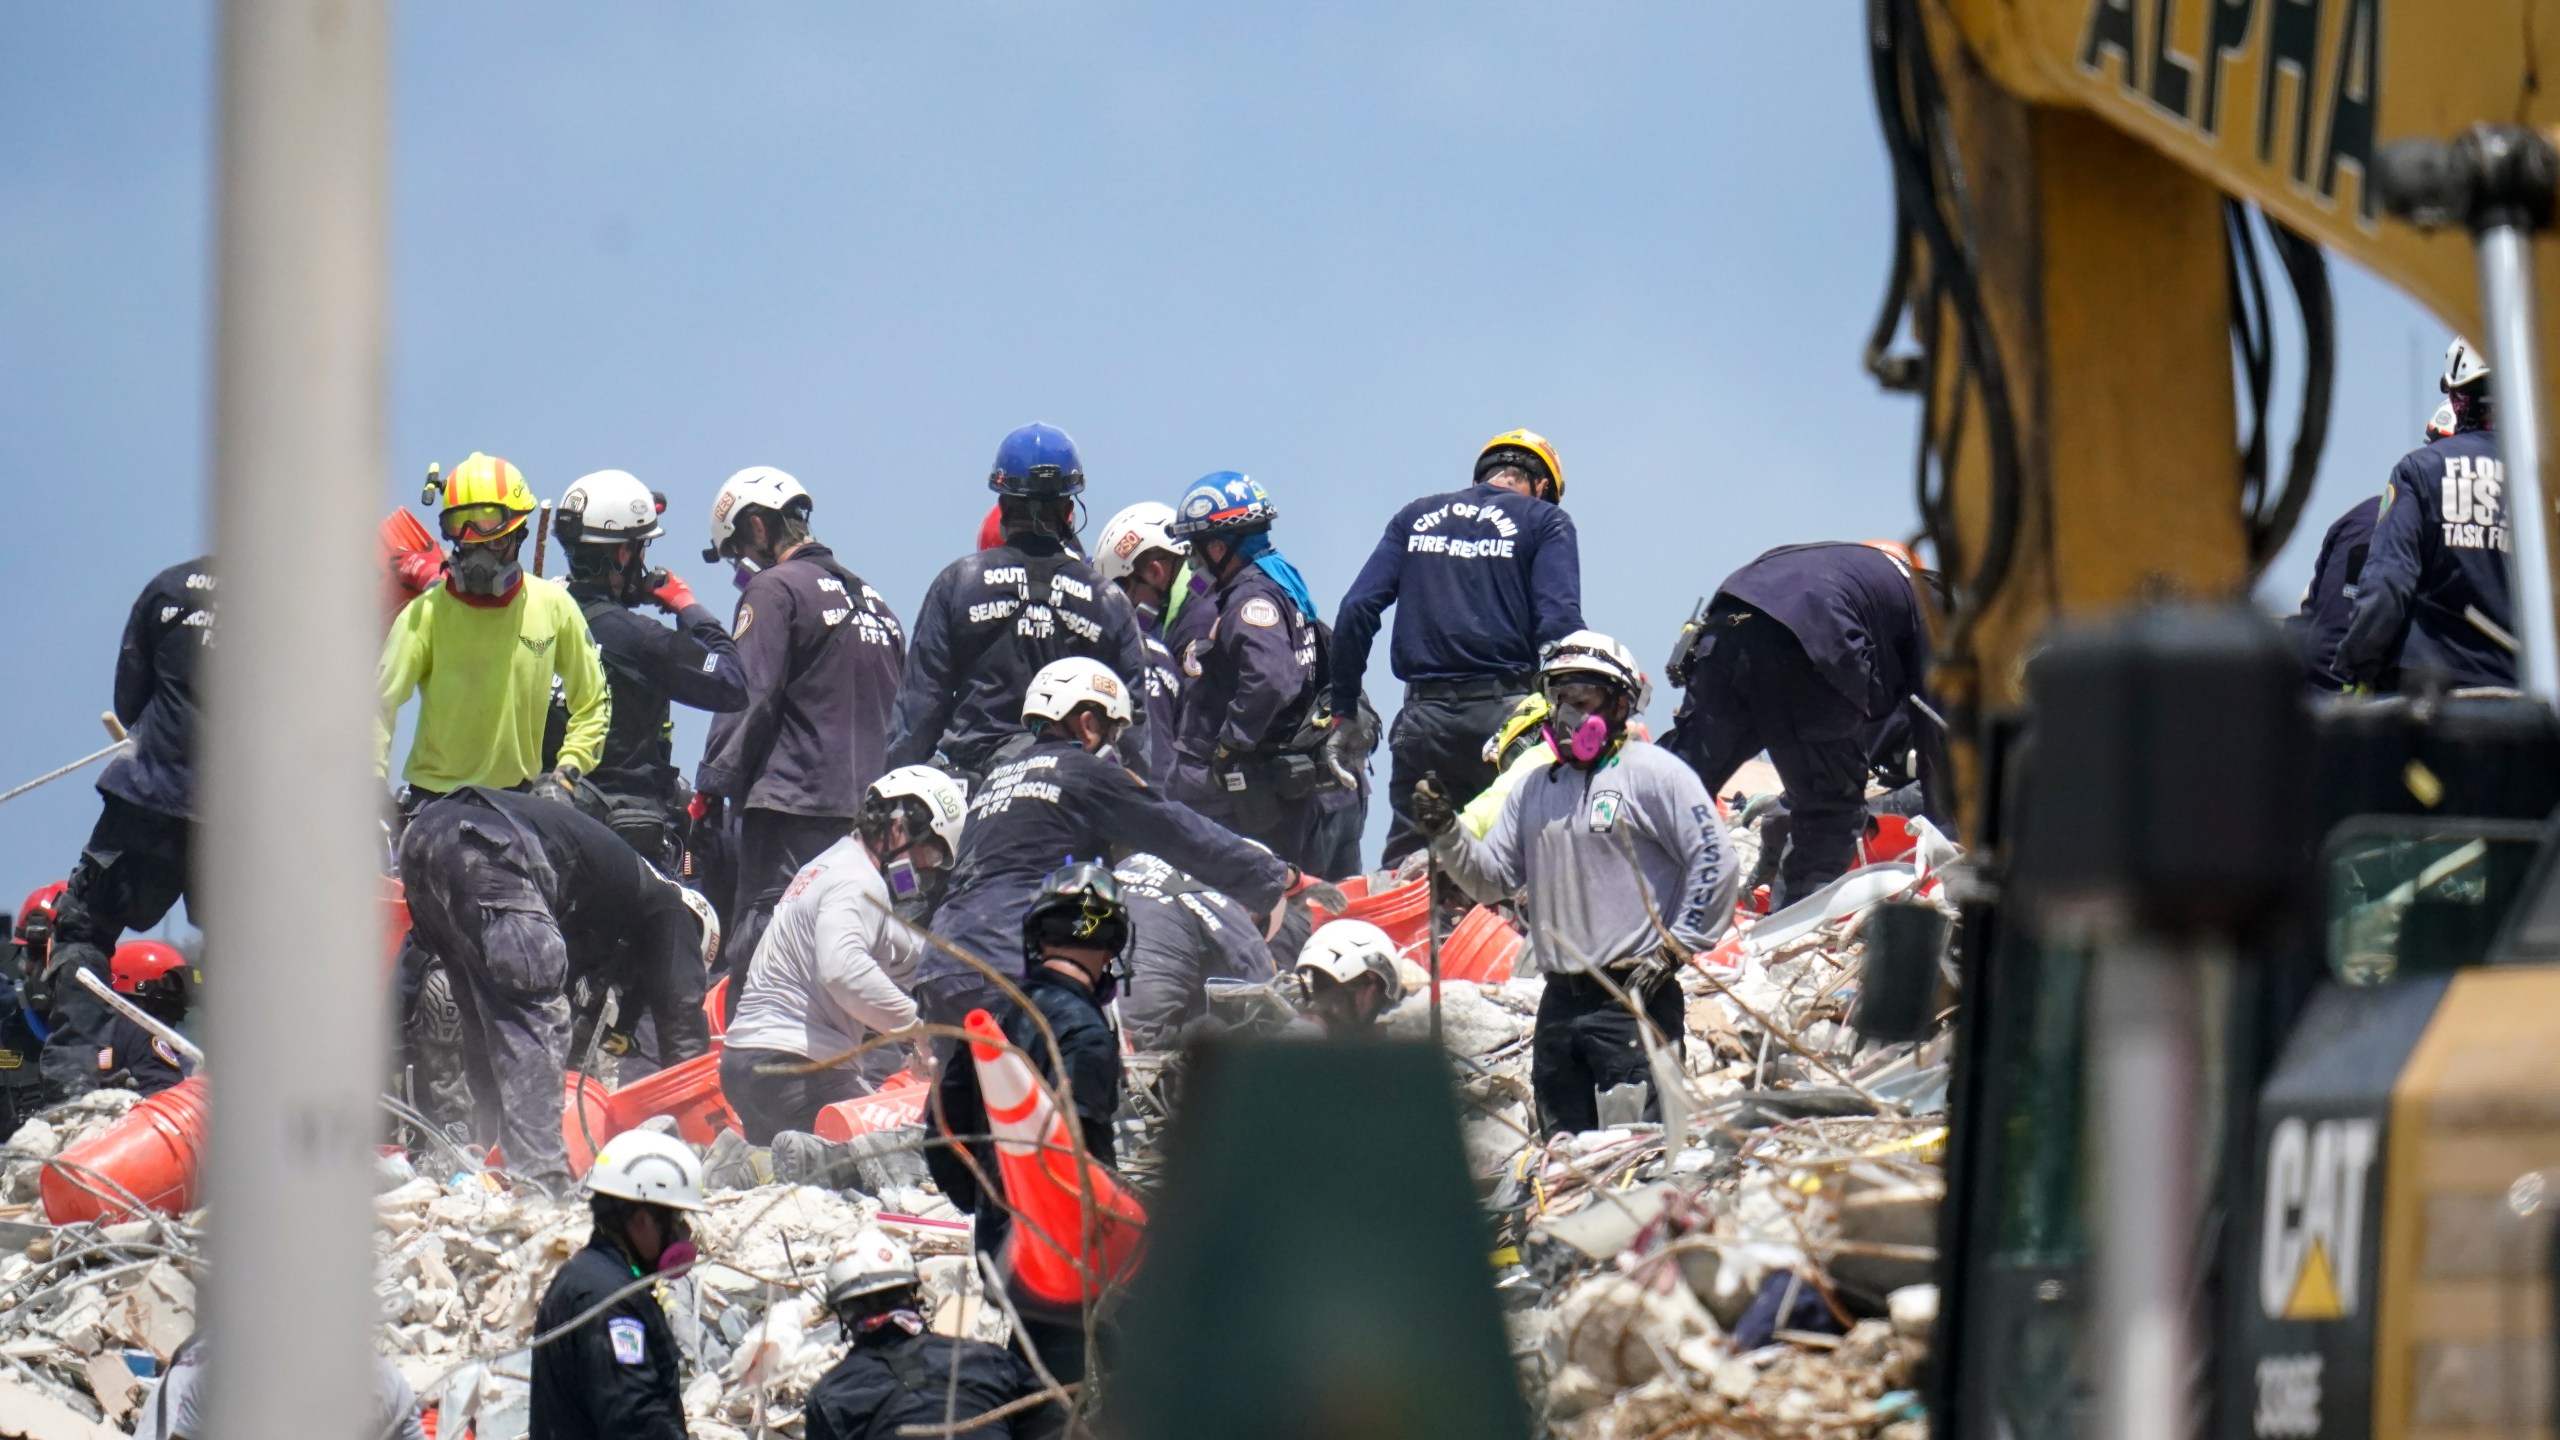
1260 611
168 1053
746 617
1191 659
630 1341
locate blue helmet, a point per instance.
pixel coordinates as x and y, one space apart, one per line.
1226 503
1038 461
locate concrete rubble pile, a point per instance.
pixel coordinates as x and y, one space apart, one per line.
87 1311
1761 1263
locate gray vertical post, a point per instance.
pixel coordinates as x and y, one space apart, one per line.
2515 348
288 865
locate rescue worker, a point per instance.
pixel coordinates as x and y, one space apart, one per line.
897 1373
2329 601
153 975
1068 795
821 652
1139 554
175 1409
992 618
1250 754
835 962
481 651
1808 652
1623 869
22 1023
606 521
1072 936
1482 579
520 895
138 858
2432 604
1187 935
1350 975
614 1374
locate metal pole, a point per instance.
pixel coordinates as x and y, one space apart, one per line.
2507 295
289 859
2144 1028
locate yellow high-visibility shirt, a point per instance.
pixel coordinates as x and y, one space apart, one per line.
483 681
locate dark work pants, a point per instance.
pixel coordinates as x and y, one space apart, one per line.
128 875
477 885
1586 1042
1443 737
1756 690
772 846
769 1104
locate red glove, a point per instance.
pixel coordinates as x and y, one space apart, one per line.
672 593
418 570
700 806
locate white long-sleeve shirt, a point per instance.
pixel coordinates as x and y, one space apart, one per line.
832 966
1600 856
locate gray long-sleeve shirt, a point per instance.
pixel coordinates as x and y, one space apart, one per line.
1600 854
833 965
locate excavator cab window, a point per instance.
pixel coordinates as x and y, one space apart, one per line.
2408 895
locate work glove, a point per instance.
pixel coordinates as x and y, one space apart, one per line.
1321 894
668 592
1347 747
1433 813
561 784
1655 969
418 570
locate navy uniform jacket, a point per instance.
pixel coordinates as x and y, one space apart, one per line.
990 621
620 921
1853 610
614 1377
1256 664
891 1379
1053 803
2329 601
1091 1049
647 666
1163 689
166 635
1183 935
1482 580
821 652
2439 559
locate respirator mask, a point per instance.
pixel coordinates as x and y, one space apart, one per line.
485 572
1578 733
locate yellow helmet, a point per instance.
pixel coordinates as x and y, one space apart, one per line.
1517 446
482 499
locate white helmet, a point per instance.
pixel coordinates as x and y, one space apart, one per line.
1588 652
650 1168
700 904
2462 366
945 799
877 1262
1065 686
608 507
1345 950
1145 526
756 485
2444 422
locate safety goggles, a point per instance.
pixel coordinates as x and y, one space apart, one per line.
478 522
1584 696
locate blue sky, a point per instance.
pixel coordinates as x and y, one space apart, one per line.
1333 245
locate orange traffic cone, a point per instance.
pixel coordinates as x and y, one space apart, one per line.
1037 1161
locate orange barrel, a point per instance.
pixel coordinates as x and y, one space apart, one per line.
395 922
1403 911
1889 838
715 1003
900 1100
586 1120
690 1092
152 1152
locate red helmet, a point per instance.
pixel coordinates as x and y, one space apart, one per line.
35 918
148 969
